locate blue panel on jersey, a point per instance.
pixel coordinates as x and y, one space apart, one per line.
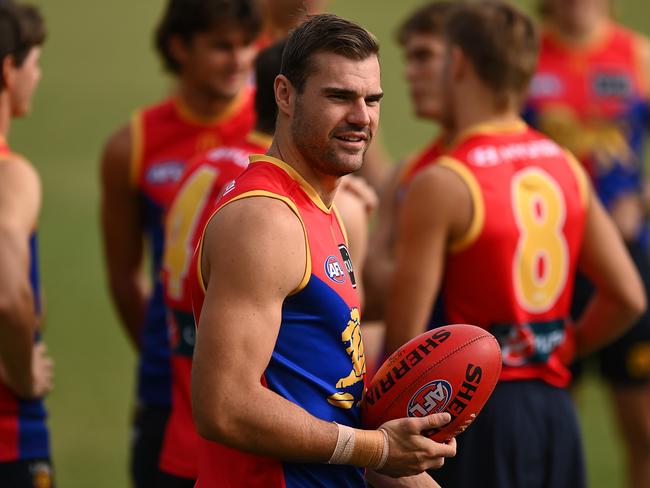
33 434
34 275
310 363
154 371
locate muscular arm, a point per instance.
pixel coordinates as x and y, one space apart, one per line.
122 234
253 257
619 298
239 325
20 199
437 209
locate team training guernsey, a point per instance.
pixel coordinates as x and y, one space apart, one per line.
511 273
23 429
193 203
593 100
165 137
318 360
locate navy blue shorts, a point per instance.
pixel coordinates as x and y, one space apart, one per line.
526 436
31 473
626 361
148 433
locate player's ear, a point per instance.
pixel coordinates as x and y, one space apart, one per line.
178 49
459 63
8 72
284 94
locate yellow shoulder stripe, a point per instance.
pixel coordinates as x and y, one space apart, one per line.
478 206
294 209
581 177
311 192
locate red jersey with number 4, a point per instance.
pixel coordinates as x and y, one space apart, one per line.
165 137
318 359
201 185
512 272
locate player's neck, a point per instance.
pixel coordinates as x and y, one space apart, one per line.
470 116
479 106
5 115
324 185
579 33
202 105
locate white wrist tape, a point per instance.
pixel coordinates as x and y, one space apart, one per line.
344 445
369 450
384 453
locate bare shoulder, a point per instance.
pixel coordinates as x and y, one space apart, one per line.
261 240
20 191
438 185
117 154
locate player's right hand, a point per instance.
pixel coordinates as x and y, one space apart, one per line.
42 371
410 452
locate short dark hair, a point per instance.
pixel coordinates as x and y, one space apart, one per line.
501 42
428 19
324 33
185 18
267 67
21 29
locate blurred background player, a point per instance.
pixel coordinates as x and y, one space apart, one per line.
421 38
280 295
280 17
202 183
515 216
208 46
590 94
26 371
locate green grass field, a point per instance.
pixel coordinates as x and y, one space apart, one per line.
98 66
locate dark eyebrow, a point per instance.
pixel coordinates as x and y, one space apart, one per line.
345 93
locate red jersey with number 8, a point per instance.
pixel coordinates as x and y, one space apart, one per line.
511 273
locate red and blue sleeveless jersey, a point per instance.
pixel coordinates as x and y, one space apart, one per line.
511 273
193 203
593 99
23 428
164 138
318 360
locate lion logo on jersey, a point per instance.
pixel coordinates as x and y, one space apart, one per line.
351 337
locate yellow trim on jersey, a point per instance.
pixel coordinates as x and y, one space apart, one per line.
478 207
490 128
260 138
294 209
581 177
137 148
311 192
344 231
186 113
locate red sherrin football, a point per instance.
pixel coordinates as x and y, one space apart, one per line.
449 369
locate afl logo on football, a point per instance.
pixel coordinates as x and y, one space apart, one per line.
334 270
431 398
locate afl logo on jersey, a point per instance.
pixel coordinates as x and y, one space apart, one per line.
334 270
431 398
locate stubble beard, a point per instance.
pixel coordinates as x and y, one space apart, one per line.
323 157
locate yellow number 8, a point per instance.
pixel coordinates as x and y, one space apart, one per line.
180 227
540 262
